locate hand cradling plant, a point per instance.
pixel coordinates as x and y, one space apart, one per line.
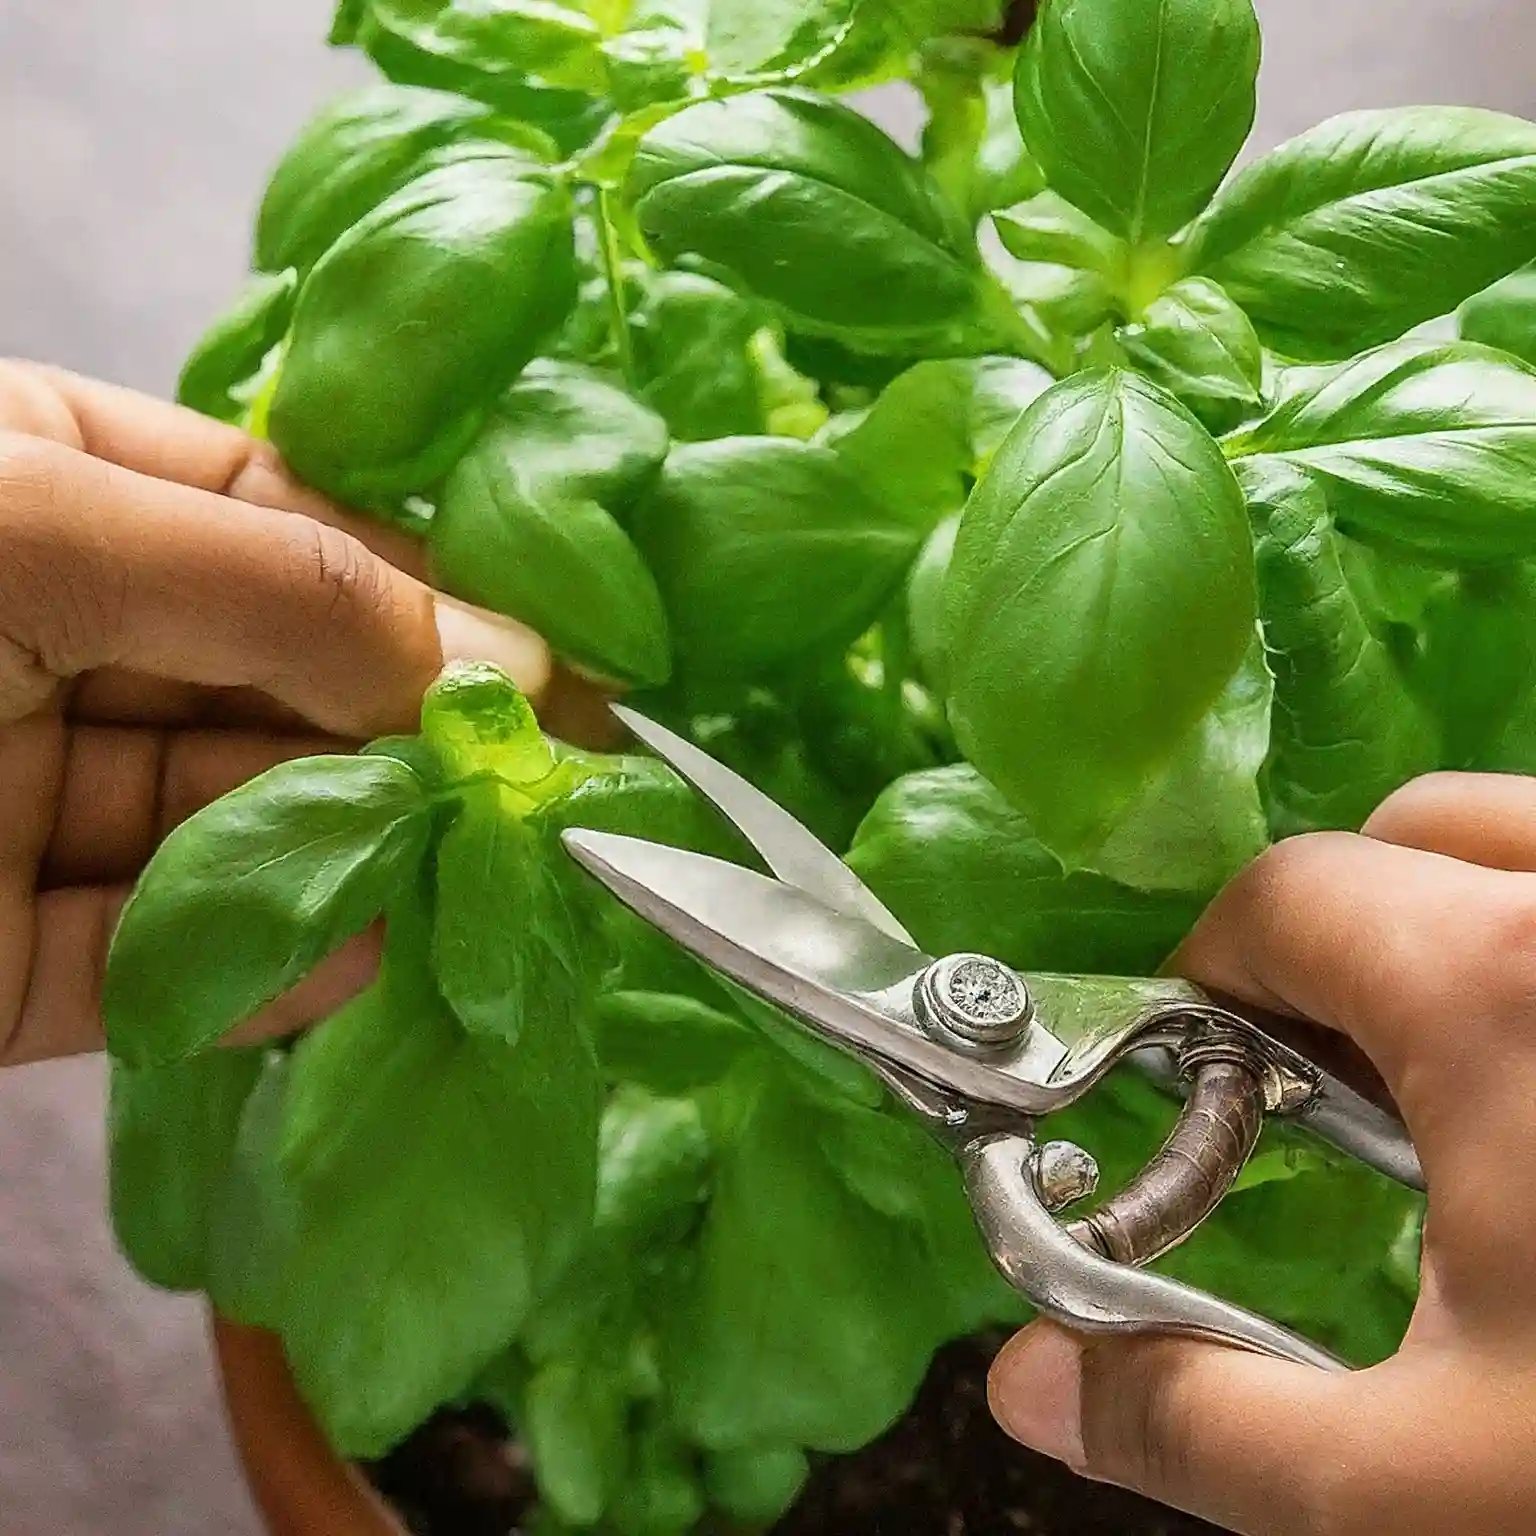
1053 576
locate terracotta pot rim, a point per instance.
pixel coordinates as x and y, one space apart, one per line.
300 1485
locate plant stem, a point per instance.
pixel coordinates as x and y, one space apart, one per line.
618 314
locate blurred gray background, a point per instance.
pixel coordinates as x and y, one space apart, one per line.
134 141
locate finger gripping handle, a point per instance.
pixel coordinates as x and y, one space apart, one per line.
1190 1175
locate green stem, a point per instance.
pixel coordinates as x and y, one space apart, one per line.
618 315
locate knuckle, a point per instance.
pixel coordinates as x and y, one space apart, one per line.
347 578
1138 1427
1418 810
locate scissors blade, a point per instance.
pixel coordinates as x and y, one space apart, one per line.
788 849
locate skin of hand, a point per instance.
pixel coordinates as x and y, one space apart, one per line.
1416 938
177 614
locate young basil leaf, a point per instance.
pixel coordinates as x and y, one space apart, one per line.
1199 346
512 938
1100 596
925 604
830 1360
758 1485
1136 111
1478 662
415 320
522 524
170 1136
347 159
1347 731
661 1496
692 340
1371 223
445 1176
925 437
477 722
1428 447
807 205
766 549
1050 229
230 351
536 62
1504 315
653 1161
963 871
666 1042
260 886
573 1421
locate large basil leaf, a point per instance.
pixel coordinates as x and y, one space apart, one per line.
806 204
1504 315
171 1135
415 320
230 352
524 524
1370 223
347 159
1428 447
767 549
932 429
1347 731
445 1177
1196 343
1135 111
259 886
963 871
842 1298
1100 597
1200 819
692 340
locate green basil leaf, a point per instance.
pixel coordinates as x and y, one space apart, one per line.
802 202
260 886
445 1176
573 1421
756 1486
692 338
1200 819
511 938
1504 315
1347 731
477 722
1425 447
1100 597
1199 346
831 1360
1136 111
666 1042
1050 229
653 1158
963 871
230 352
347 159
414 321
765 550
662 1496
926 629
1478 663
537 62
1370 224
171 1135
930 430
522 527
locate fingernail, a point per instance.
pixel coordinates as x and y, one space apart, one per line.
1035 1390
472 634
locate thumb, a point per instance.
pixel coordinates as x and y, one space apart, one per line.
1239 1439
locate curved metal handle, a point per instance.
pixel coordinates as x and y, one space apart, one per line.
1085 1291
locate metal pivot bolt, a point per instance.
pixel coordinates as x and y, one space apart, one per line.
973 1002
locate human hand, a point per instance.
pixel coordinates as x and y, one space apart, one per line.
1418 939
176 615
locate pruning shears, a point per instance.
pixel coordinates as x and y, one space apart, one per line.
984 1054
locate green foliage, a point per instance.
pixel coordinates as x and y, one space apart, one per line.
894 482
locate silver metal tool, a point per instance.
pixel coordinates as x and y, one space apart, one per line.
982 1053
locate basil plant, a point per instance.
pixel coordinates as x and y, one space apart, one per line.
1049 519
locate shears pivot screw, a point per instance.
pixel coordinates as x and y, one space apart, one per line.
973 1000
1064 1173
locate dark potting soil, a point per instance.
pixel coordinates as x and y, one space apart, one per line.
944 1470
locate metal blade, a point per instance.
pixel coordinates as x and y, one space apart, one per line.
788 849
